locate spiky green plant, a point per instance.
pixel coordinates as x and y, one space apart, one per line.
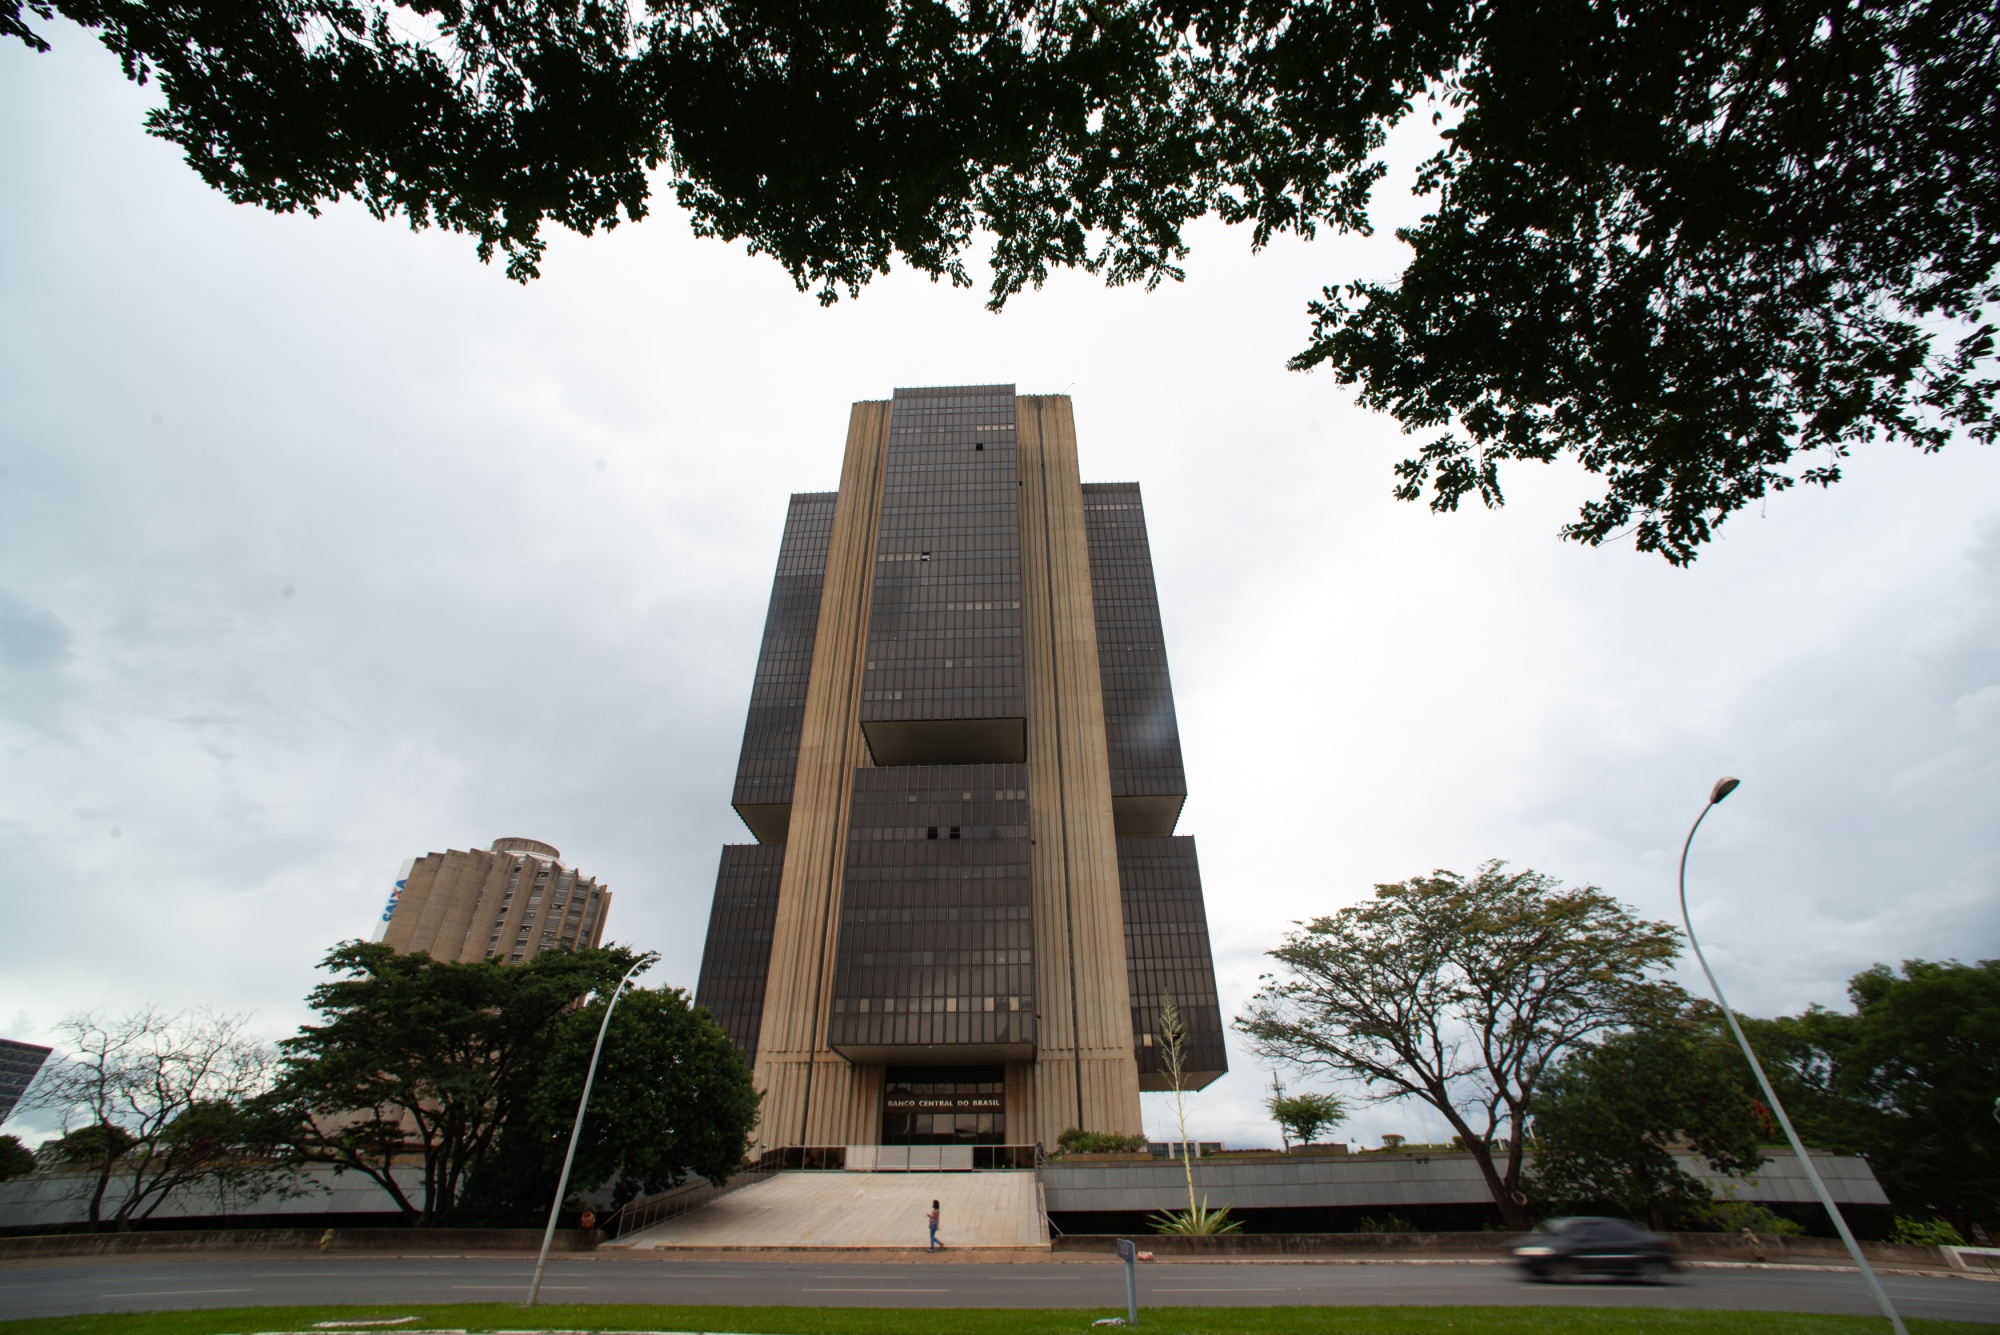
1196 1219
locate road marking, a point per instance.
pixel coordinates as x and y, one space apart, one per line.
173 1293
517 1286
1287 1288
875 1290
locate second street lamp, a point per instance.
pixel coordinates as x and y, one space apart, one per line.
1723 788
582 1104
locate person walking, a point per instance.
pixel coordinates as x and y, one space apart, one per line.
932 1217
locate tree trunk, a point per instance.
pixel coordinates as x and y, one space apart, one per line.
1512 1213
429 1216
383 1177
137 1193
97 1197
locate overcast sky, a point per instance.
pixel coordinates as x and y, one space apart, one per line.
323 546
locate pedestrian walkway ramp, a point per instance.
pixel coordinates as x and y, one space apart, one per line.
860 1210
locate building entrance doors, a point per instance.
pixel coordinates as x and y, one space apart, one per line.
944 1105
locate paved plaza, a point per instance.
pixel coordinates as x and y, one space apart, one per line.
860 1210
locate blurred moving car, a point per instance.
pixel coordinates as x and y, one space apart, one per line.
1564 1249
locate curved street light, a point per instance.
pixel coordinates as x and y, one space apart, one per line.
563 1184
1723 788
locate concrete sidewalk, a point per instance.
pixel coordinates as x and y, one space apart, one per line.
862 1211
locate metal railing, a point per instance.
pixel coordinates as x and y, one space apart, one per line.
794 1158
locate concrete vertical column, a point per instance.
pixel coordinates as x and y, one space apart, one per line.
1085 1074
809 1092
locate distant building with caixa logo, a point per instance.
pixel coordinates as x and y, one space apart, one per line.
508 902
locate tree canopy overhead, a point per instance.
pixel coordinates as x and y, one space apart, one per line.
1704 250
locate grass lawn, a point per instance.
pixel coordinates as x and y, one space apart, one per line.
982 1321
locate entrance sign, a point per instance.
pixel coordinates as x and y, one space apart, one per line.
944 1105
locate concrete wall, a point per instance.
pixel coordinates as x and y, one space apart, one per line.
1387 1180
44 1200
401 1241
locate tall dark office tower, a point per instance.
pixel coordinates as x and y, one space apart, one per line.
966 902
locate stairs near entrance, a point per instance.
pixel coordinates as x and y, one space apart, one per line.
833 1209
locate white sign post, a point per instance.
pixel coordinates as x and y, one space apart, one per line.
1128 1252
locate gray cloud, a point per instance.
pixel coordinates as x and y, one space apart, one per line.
35 658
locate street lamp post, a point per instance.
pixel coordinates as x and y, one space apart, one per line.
562 1183
1723 788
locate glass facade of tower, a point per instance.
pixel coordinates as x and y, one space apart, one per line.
936 916
925 872
763 795
736 959
1141 733
1167 955
943 675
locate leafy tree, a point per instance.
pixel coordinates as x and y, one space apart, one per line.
1609 1117
91 1145
155 1106
16 1159
1805 1057
1927 1233
829 137
1303 1116
1702 251
1462 992
424 1057
1909 1078
1734 1216
672 1097
1926 1065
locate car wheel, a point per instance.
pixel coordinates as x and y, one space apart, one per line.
1564 1272
1658 1270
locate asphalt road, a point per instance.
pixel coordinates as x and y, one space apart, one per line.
56 1288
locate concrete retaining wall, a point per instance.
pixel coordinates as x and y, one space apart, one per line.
1454 1245
402 1241
1386 1181
53 1199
